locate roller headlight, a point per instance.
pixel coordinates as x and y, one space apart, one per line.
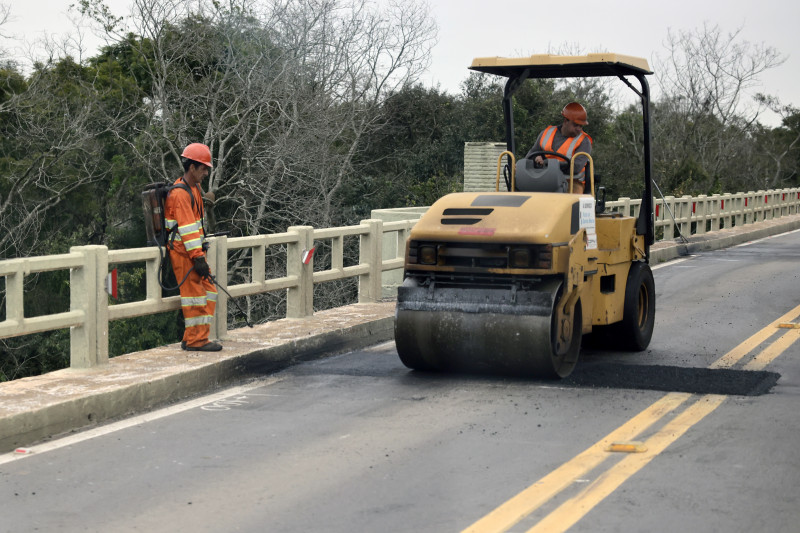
426 254
519 258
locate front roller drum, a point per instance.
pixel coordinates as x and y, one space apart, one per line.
444 336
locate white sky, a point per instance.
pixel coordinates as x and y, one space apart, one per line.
476 28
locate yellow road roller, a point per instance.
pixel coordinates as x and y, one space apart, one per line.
510 281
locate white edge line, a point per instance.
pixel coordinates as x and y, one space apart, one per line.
38 449
671 262
748 243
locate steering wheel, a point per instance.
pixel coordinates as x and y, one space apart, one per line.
533 155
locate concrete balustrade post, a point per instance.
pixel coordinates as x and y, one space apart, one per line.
300 298
370 253
715 212
669 214
686 215
15 295
700 214
89 341
218 261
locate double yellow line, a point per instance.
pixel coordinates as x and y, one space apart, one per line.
571 511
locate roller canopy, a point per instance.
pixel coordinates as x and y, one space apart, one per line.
555 66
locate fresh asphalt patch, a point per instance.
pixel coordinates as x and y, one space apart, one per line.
725 381
587 374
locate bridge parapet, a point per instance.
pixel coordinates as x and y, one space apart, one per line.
379 269
90 311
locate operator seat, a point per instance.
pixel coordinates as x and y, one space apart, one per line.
549 178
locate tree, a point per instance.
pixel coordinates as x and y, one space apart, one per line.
705 119
51 130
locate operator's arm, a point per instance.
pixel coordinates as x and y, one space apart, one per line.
582 160
537 147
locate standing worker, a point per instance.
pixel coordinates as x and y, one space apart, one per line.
567 139
183 210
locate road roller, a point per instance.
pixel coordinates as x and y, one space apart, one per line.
511 280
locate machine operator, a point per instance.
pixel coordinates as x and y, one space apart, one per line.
567 139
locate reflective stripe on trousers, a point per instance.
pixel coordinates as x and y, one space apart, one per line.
198 301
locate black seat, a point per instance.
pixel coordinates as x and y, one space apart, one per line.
549 178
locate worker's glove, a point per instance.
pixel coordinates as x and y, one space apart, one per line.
201 267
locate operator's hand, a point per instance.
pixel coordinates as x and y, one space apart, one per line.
201 267
539 161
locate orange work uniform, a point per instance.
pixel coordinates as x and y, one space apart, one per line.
567 147
198 295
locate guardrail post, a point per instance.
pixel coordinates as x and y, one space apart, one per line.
300 298
15 296
625 208
680 215
370 249
218 261
700 214
794 205
716 220
89 342
669 218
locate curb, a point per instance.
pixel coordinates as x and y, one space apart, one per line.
726 238
69 400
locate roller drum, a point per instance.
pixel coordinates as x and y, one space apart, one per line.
481 329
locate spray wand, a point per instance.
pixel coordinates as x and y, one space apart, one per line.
213 280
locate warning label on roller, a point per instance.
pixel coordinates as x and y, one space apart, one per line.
587 222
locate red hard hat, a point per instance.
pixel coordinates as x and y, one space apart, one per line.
198 152
575 112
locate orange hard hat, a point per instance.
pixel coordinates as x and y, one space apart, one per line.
198 152
575 112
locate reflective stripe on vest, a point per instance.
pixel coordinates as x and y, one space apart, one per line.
566 149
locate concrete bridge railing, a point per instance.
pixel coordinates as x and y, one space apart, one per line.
90 311
381 248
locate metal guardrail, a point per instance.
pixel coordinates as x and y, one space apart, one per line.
90 312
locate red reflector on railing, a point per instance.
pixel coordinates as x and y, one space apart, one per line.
694 206
766 199
722 204
657 206
745 202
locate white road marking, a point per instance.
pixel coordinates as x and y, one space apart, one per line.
765 238
134 421
672 262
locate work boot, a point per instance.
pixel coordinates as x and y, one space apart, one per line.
207 347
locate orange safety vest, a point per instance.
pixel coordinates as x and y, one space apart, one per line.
567 149
185 213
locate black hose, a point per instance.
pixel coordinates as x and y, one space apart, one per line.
161 271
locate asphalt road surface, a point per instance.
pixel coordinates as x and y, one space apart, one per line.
704 425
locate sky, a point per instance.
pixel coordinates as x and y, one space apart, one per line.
478 28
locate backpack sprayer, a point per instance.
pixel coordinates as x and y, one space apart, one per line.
154 197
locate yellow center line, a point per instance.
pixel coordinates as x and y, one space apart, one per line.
536 495
571 511
546 488
771 352
738 353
